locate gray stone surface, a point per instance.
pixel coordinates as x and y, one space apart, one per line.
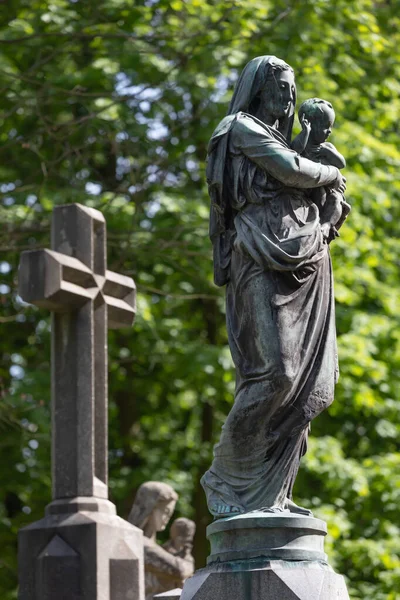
266 580
81 550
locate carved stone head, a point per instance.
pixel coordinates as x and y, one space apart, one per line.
153 507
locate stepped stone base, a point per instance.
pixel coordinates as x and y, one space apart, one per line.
75 554
265 556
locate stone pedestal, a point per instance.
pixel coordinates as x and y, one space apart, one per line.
56 554
265 556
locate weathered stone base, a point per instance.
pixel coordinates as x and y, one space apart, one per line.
266 580
75 554
266 556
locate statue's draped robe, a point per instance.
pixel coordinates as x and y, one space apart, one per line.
269 251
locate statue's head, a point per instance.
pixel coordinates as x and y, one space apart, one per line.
266 89
321 116
153 507
182 531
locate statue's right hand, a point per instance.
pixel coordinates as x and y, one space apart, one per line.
340 183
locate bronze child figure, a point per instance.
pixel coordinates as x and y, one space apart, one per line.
317 118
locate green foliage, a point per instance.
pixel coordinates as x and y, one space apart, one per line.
111 103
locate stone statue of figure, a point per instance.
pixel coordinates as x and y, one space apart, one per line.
270 253
151 511
181 542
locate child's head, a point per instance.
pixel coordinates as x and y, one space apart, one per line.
182 532
321 116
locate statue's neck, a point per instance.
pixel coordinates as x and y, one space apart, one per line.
267 118
149 532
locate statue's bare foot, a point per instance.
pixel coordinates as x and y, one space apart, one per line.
299 510
221 510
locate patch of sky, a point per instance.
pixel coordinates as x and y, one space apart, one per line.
123 166
17 372
222 85
152 208
145 224
17 359
160 151
93 188
5 267
191 165
18 299
42 326
8 201
4 289
7 187
139 93
171 180
83 174
31 199
145 106
156 130
122 136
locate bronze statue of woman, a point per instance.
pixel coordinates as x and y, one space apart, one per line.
270 254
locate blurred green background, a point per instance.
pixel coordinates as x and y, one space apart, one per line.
111 103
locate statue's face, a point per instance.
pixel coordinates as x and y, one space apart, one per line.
278 96
321 126
161 515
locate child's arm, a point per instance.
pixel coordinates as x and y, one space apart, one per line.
329 155
300 141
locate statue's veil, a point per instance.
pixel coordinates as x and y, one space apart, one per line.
255 76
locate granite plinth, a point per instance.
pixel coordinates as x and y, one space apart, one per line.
273 536
81 555
266 556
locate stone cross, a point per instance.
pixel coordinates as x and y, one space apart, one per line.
80 550
72 281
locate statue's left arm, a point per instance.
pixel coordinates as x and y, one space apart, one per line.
279 160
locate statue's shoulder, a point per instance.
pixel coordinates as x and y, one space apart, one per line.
246 126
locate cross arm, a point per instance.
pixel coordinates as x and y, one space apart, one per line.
54 281
119 293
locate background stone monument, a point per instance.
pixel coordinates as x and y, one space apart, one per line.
166 568
80 550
